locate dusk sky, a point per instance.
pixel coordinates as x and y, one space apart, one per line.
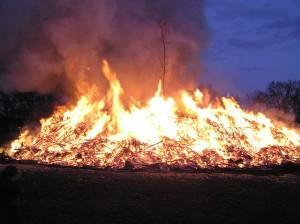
252 43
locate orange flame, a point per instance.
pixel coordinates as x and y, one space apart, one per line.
167 131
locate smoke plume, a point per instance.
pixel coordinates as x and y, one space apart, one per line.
52 45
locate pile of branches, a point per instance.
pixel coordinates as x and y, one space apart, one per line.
166 154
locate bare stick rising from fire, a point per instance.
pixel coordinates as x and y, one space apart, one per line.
183 132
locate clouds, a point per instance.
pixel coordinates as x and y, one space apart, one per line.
287 27
246 25
254 41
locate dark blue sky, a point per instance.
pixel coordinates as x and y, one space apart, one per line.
252 43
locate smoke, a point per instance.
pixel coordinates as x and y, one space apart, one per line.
57 45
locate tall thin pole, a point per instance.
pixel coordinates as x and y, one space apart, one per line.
162 27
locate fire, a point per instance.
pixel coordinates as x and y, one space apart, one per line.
182 132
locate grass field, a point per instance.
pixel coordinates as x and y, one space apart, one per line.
68 195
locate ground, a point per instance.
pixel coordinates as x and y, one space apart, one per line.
68 195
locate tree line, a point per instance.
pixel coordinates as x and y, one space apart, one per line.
284 96
17 109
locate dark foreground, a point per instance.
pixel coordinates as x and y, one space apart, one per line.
66 195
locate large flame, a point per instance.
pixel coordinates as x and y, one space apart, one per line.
183 132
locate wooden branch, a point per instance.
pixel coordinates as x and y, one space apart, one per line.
162 27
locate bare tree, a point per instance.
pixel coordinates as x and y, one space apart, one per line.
284 96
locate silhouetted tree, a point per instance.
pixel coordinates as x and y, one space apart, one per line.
284 96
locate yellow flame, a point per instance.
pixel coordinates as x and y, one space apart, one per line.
104 133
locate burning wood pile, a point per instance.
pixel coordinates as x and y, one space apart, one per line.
190 130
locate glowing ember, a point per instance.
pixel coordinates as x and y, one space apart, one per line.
184 132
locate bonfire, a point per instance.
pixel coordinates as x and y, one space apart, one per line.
190 129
